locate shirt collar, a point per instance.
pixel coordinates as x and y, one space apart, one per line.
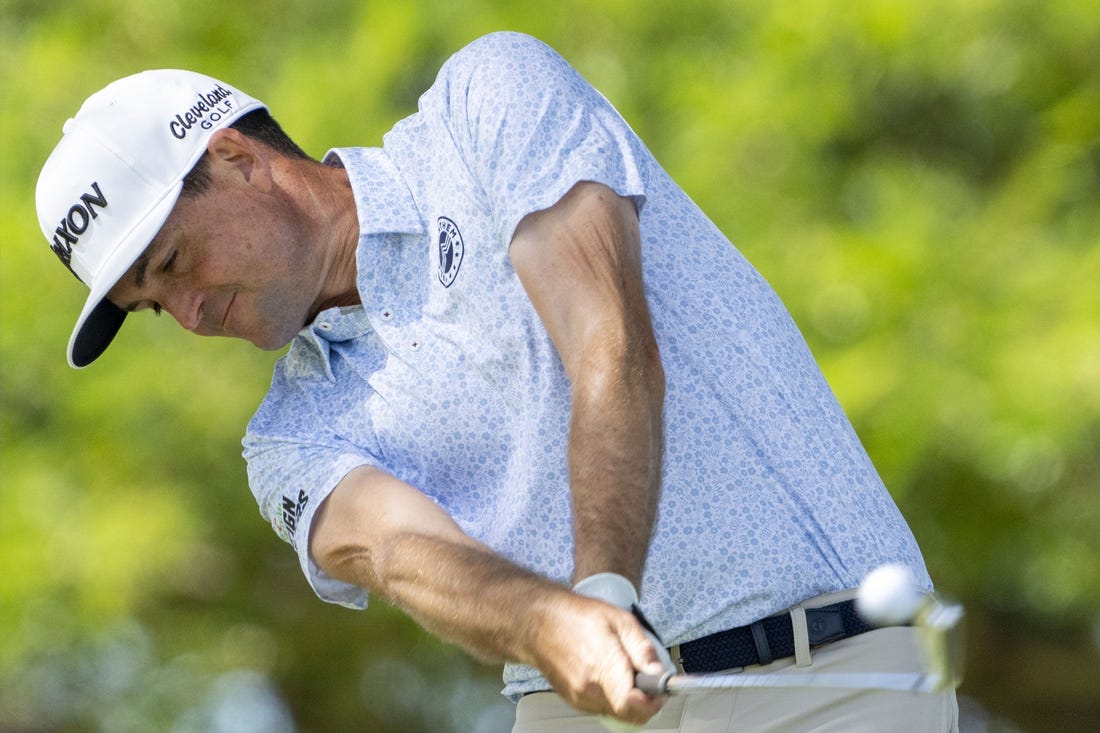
383 200
310 352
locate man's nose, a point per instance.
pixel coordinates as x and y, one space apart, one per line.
185 305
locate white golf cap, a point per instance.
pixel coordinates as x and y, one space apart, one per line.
111 182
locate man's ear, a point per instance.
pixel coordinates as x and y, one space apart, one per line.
239 155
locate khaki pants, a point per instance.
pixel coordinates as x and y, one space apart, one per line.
767 710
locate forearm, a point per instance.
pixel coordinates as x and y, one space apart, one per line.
581 263
587 649
471 597
381 534
615 450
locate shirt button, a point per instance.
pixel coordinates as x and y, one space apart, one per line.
414 344
324 326
387 314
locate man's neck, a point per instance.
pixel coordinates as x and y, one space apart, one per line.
327 197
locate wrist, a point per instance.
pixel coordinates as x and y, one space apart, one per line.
547 611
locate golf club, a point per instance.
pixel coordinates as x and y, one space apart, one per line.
888 596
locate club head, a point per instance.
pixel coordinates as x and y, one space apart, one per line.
940 626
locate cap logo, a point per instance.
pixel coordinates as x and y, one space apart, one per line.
75 223
210 108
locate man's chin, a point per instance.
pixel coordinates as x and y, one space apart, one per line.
269 341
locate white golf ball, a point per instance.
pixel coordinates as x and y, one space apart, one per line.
889 596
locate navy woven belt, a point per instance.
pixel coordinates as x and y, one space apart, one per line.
764 641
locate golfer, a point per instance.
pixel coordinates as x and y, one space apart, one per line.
532 396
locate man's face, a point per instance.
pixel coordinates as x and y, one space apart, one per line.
232 261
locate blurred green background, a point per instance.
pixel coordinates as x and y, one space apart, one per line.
919 181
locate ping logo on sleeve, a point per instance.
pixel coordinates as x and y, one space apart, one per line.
286 519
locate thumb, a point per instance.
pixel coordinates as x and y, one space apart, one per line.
660 661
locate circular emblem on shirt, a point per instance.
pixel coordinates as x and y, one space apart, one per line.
450 250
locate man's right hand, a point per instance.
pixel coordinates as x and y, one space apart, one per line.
590 652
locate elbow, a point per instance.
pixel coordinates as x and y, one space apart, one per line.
383 567
345 559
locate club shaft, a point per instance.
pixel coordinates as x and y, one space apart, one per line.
670 684
938 624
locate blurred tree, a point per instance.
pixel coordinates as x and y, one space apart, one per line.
919 181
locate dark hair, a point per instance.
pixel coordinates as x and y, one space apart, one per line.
258 125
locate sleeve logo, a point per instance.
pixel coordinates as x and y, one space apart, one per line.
286 521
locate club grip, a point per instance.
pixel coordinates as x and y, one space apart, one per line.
653 684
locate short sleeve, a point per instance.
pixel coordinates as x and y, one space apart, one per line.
294 462
531 127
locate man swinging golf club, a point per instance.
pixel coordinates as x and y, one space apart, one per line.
532 395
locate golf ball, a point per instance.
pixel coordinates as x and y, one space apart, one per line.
889 596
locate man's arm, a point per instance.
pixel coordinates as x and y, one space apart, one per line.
382 534
580 262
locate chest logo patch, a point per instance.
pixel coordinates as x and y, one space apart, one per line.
451 250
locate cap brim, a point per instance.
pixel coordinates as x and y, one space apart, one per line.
98 330
101 319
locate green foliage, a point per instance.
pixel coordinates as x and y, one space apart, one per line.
920 182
